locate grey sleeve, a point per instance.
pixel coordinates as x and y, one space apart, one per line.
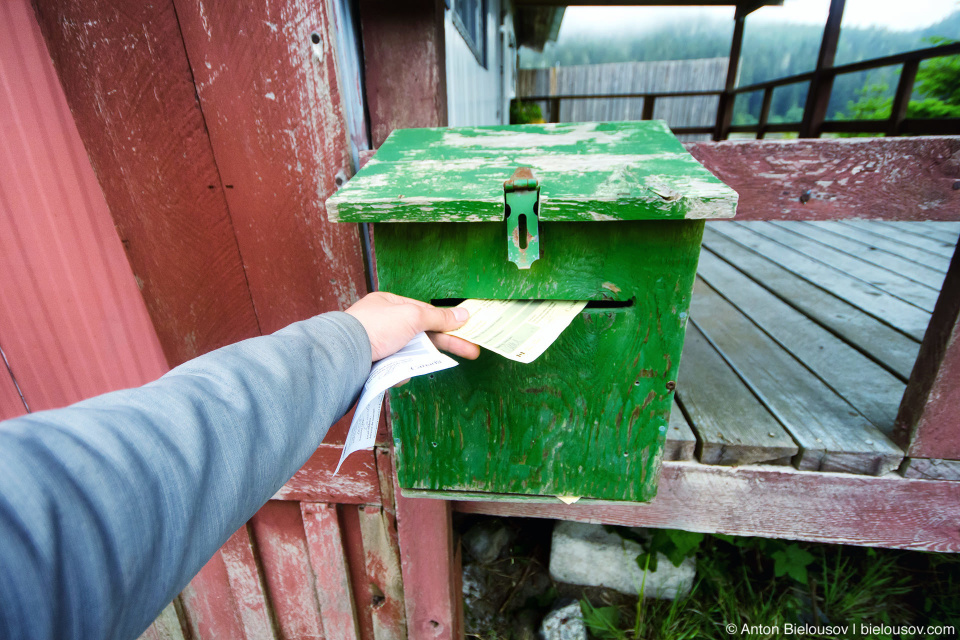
110 506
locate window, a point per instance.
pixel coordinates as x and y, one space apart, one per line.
470 16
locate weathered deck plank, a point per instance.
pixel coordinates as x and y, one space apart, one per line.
943 231
915 271
871 389
897 313
888 346
936 247
832 435
940 263
880 277
733 426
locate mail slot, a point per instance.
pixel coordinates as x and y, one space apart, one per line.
612 213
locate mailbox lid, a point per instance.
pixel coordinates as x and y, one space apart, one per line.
586 171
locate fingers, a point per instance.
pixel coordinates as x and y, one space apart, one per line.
456 346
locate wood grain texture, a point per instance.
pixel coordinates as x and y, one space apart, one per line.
404 65
165 627
732 426
272 104
586 171
11 404
867 252
356 566
355 484
428 560
944 231
932 469
931 245
778 502
325 545
681 442
871 389
920 256
382 560
890 178
884 279
129 86
832 435
900 315
226 599
72 321
598 399
887 345
929 417
287 574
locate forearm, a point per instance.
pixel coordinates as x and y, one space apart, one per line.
108 507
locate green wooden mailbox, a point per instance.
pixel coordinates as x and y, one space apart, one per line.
611 213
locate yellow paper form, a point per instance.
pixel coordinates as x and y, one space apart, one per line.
517 329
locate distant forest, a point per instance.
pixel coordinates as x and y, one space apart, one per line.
770 50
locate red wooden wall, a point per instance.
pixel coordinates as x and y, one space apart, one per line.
210 139
72 321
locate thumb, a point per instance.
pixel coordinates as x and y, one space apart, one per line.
436 319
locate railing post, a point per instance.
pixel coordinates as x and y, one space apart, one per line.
764 113
648 102
727 98
554 109
898 111
928 423
821 85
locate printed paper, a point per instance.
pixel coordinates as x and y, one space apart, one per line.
418 358
517 329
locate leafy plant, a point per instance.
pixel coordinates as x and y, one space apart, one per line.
792 561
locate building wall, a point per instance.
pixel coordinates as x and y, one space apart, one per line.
478 95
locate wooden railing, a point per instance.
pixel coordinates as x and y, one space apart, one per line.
821 85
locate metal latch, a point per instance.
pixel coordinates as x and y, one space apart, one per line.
521 194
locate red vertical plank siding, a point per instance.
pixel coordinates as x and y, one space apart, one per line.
405 65
329 562
272 105
226 599
429 563
72 321
11 404
126 78
282 543
356 566
382 559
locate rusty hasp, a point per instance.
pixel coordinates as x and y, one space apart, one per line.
521 209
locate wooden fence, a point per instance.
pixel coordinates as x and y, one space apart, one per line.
562 84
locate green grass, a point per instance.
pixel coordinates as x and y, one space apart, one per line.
773 584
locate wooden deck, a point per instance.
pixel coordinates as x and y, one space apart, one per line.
801 340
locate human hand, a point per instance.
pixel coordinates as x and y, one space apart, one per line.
391 321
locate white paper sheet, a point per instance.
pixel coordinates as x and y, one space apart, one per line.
418 358
517 329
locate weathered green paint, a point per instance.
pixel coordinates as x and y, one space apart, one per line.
587 171
522 202
589 416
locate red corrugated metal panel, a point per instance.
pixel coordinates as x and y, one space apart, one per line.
72 322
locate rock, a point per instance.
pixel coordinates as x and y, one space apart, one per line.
479 611
587 554
524 625
565 623
486 540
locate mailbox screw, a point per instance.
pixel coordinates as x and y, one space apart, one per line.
636 383
626 455
434 444
805 197
671 385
